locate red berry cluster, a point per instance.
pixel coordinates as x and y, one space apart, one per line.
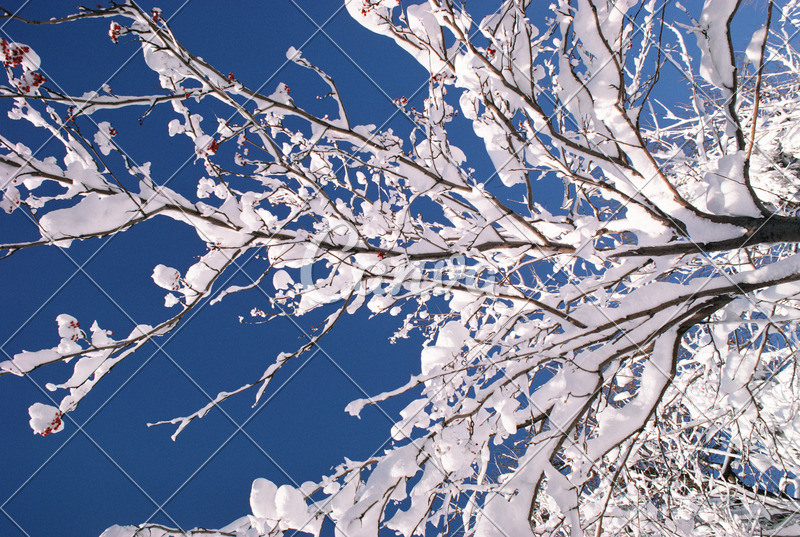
490 52
366 7
54 425
25 84
400 101
77 335
155 13
13 54
214 147
114 31
112 131
231 77
439 77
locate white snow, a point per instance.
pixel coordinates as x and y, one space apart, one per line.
716 63
94 214
45 419
167 277
753 51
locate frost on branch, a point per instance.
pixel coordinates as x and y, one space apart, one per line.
610 327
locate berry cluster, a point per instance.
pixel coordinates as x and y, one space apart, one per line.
34 80
77 335
366 7
54 425
214 147
155 13
112 131
400 101
440 77
12 53
114 31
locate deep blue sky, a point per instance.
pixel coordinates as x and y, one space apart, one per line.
75 482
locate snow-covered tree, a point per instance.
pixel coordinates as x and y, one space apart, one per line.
623 364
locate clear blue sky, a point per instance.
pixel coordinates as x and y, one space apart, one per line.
78 482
